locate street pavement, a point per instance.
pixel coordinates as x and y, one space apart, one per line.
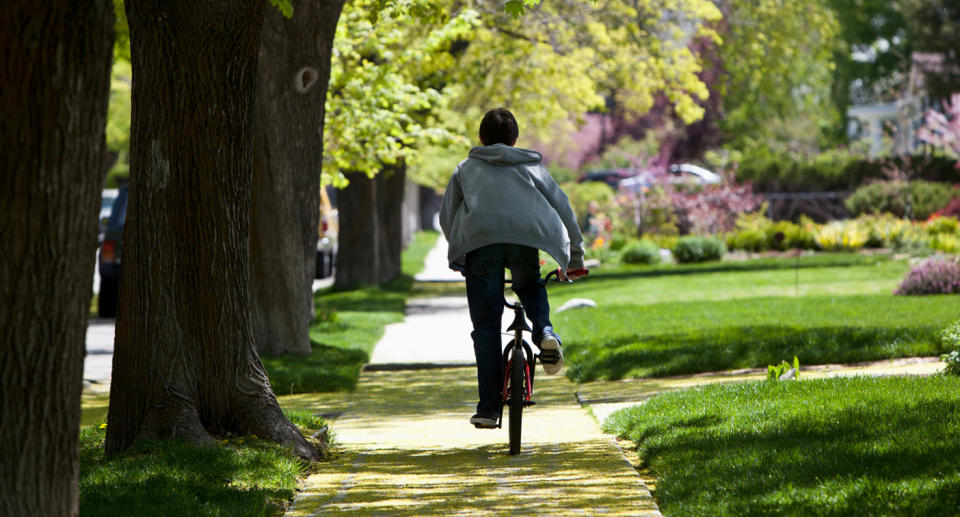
98 362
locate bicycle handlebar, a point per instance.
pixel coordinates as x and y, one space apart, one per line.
573 273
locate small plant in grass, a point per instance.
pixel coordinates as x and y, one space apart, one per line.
693 248
953 363
775 373
950 337
640 252
933 276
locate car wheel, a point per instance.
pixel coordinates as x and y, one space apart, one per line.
107 300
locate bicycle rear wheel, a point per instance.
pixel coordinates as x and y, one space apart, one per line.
517 395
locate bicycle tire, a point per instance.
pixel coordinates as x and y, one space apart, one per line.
517 396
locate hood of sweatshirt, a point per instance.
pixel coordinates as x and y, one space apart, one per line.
503 154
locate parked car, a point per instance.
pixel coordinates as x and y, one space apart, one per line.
679 173
108 259
694 173
327 237
106 205
611 177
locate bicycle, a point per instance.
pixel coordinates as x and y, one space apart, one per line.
518 357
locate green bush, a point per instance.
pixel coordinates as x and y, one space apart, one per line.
916 200
848 235
838 169
756 233
641 252
748 239
946 243
694 248
795 236
942 225
619 241
581 194
780 171
664 241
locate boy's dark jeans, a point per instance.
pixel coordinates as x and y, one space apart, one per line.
485 274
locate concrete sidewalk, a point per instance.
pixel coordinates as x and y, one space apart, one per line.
406 446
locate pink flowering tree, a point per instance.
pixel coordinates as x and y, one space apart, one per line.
943 129
714 208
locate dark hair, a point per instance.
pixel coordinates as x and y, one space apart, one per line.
499 127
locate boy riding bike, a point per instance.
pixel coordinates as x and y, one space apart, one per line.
501 206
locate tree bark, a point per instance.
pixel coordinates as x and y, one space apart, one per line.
371 236
392 181
55 77
184 364
292 77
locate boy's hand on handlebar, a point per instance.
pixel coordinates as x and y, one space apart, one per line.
571 275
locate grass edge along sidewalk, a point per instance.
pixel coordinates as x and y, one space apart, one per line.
244 476
841 446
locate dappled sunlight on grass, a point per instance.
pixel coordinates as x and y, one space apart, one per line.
859 446
170 477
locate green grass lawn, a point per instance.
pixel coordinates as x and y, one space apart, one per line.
241 476
349 324
676 320
851 446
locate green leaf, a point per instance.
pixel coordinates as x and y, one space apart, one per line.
514 8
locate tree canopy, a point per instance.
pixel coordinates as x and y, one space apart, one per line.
416 75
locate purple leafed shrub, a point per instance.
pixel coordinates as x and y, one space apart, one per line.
714 208
933 276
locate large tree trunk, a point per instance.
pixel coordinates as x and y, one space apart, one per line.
371 235
184 363
292 77
392 181
55 77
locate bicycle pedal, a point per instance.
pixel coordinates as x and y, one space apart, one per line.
528 403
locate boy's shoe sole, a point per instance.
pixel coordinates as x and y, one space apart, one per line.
550 355
483 422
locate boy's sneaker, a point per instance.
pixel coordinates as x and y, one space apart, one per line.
550 355
483 422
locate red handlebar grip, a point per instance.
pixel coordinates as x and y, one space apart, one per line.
578 272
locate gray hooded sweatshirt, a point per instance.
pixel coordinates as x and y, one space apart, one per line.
504 194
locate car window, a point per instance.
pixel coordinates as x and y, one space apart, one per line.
118 214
